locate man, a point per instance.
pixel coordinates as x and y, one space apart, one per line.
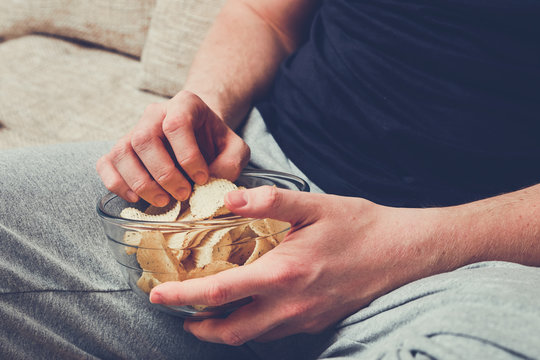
419 120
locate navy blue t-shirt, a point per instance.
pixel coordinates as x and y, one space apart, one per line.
414 103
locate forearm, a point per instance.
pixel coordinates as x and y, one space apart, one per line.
239 57
505 227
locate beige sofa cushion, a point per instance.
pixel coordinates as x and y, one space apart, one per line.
117 24
177 29
56 91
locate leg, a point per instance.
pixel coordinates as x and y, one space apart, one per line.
484 311
61 294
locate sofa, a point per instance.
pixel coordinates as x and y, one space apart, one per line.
78 70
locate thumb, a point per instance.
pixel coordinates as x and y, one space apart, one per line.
271 202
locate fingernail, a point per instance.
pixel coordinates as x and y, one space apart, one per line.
182 193
200 178
156 298
131 196
161 200
237 198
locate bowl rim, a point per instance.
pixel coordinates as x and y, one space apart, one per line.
300 183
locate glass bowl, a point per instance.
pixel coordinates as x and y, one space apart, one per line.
152 252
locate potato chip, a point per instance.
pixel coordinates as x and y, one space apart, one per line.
247 232
195 237
189 254
186 215
275 230
178 245
237 232
214 247
168 214
210 269
241 251
133 239
208 200
189 263
157 210
152 257
147 282
262 246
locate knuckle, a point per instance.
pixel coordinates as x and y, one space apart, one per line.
271 196
152 108
295 310
246 150
101 164
233 165
188 158
166 175
141 186
174 122
190 103
119 152
111 181
231 337
186 95
286 275
140 140
216 295
114 185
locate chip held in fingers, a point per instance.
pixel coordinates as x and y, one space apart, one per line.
208 200
169 212
205 244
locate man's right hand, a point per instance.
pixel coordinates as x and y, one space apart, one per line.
175 140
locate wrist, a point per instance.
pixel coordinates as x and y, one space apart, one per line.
430 244
223 103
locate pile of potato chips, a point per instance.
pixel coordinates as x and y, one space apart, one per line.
189 252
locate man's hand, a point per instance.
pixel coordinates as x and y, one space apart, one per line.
173 141
339 255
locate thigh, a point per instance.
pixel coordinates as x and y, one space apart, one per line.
483 311
61 294
49 222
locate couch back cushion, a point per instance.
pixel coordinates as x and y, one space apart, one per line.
121 25
177 29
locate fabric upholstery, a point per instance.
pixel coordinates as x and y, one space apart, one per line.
177 29
56 91
120 24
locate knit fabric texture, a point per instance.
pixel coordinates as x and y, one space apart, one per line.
121 25
57 91
177 29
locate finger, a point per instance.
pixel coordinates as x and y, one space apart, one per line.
272 202
147 142
214 290
128 165
113 181
248 322
231 159
157 160
183 117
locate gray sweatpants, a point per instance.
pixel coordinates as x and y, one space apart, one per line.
62 295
